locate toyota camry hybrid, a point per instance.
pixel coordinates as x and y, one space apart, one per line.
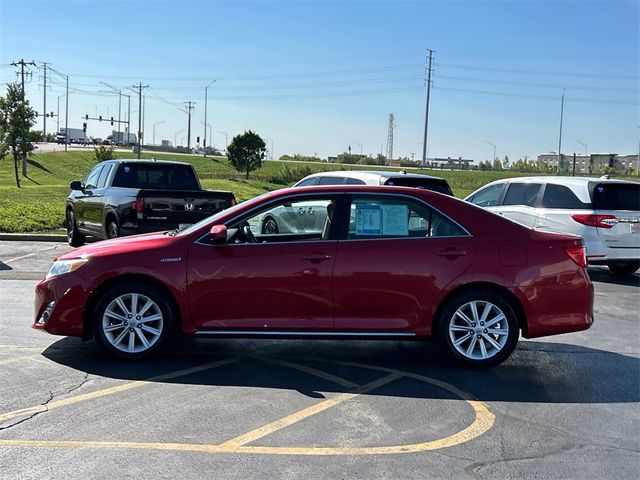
385 262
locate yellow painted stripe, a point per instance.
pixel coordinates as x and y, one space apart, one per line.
314 371
17 359
305 413
484 421
111 390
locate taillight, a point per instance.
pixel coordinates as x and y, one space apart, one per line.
138 207
598 221
578 254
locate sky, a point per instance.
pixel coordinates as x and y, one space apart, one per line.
320 77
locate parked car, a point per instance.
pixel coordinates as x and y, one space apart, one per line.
389 262
127 197
292 218
604 212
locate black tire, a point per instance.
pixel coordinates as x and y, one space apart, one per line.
465 328
624 269
270 226
121 332
74 237
112 230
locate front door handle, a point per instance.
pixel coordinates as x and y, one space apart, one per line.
452 252
316 257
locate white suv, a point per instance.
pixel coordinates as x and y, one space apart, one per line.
604 212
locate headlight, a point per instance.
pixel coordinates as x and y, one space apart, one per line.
65 266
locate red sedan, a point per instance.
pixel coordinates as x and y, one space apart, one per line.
386 262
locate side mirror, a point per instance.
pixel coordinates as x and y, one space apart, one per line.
218 234
75 185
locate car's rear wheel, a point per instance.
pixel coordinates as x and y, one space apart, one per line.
74 237
270 226
624 269
113 231
133 320
479 329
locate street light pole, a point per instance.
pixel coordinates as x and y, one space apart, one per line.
560 136
585 153
154 131
175 138
494 151
226 140
204 142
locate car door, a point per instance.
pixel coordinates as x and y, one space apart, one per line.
278 283
520 202
85 202
396 258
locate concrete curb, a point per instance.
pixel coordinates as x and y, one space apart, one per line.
34 237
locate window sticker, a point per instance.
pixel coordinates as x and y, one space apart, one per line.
395 220
368 220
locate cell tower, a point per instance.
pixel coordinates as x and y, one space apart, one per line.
392 125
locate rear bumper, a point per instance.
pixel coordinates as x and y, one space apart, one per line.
567 305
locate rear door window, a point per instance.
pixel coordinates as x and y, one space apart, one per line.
332 181
522 194
489 196
102 180
559 196
616 196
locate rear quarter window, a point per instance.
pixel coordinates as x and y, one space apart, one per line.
559 196
616 196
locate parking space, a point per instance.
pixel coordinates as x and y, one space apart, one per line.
560 407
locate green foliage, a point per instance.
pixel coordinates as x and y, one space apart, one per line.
300 158
103 153
246 152
289 174
16 120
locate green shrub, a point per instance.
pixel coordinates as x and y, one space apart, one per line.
103 153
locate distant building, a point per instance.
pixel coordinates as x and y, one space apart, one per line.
166 143
591 163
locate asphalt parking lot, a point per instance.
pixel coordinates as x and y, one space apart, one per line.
561 407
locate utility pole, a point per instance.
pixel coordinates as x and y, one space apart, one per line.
426 115
139 87
44 118
560 138
188 112
22 64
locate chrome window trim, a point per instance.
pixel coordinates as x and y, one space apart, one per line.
281 333
274 201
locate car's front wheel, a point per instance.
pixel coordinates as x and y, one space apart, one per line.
113 231
270 226
74 237
624 269
133 320
479 329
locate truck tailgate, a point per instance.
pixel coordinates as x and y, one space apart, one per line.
181 207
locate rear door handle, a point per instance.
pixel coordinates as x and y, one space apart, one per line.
316 258
452 252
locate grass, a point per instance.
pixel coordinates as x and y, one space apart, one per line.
39 205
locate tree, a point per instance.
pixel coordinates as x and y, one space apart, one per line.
16 120
246 152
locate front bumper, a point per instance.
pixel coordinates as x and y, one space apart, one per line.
59 305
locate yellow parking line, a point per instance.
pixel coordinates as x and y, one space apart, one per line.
305 413
17 359
313 371
483 421
112 390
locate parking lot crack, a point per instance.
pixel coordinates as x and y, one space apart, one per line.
44 407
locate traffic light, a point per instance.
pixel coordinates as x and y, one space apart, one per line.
84 127
197 139
111 120
100 117
86 117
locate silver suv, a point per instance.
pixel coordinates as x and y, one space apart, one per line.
604 212
310 217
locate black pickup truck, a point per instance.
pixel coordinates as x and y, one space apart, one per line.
127 197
